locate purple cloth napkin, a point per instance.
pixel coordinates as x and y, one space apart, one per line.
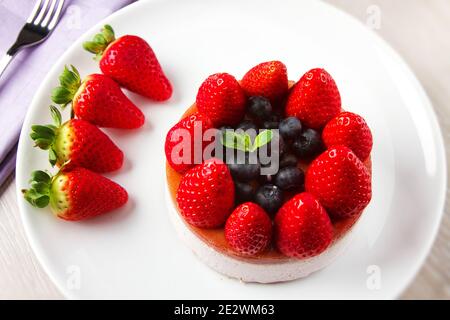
25 73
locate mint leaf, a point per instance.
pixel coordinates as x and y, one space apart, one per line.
262 139
233 140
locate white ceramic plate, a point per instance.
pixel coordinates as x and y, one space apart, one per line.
135 253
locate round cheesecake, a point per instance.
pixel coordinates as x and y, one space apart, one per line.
269 266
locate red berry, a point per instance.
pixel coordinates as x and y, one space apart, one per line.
101 101
340 181
77 194
205 195
302 227
97 99
77 143
89 194
314 99
131 62
351 130
221 98
267 79
248 229
180 138
86 146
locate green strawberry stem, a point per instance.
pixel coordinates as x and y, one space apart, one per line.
44 136
69 83
100 41
40 192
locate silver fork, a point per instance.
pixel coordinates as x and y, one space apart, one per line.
39 25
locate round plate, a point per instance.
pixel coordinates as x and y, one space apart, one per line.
135 252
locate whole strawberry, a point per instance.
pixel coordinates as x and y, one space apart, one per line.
221 98
97 99
77 143
181 138
131 62
314 99
248 229
205 195
340 181
267 79
351 130
302 227
75 195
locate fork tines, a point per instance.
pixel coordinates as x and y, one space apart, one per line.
46 13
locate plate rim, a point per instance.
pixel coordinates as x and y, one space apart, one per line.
381 43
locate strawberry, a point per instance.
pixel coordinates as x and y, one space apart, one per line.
248 229
77 143
131 62
314 99
267 79
97 99
221 98
340 181
351 130
74 195
205 195
302 227
181 138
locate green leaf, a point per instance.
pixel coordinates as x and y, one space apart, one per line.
41 202
108 33
228 139
44 144
52 157
45 131
92 47
233 140
263 138
40 176
70 79
40 187
100 41
56 116
61 95
43 136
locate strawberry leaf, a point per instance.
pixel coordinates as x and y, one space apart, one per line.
40 176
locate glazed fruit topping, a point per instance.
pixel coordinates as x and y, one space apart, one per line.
300 129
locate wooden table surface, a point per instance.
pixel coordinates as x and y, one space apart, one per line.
417 29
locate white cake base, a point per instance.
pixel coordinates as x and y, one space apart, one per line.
286 270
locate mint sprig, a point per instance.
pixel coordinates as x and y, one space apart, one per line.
243 141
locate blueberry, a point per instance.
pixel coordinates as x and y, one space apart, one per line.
289 178
246 125
244 170
272 123
282 147
244 192
290 128
288 160
308 144
269 197
259 108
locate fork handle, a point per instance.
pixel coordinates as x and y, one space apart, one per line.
6 59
